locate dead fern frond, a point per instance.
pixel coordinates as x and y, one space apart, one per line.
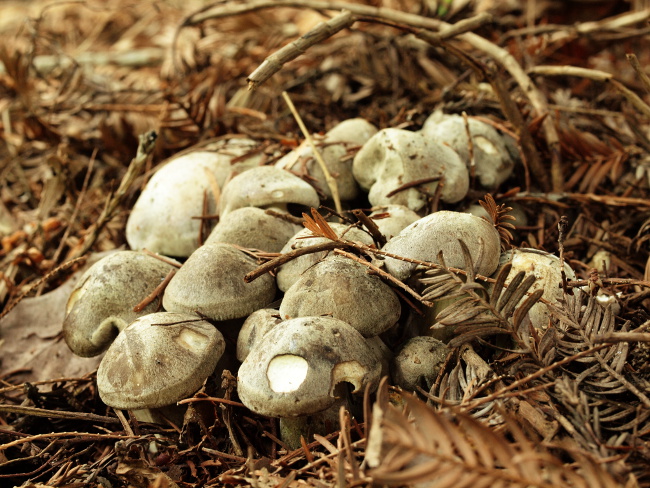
500 219
319 226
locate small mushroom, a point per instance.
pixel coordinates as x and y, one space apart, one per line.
253 227
264 187
418 362
491 156
289 273
102 302
392 219
158 360
162 217
339 287
298 368
334 149
393 158
440 232
211 282
255 326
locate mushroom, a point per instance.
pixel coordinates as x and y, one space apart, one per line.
339 286
266 186
289 273
300 367
255 326
391 219
393 158
491 156
253 227
418 362
102 302
158 360
162 217
546 269
334 149
440 232
211 282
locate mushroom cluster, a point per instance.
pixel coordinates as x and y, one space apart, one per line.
338 327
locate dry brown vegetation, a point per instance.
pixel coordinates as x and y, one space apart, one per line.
81 80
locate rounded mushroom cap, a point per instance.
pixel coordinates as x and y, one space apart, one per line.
161 219
339 287
289 273
394 157
440 231
211 282
392 219
158 360
255 327
298 366
101 304
491 156
334 148
252 227
419 361
545 267
266 186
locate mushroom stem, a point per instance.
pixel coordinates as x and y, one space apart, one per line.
292 429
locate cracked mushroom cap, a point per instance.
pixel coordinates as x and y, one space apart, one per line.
440 231
296 369
334 149
343 288
102 302
211 282
266 186
162 217
395 157
158 360
289 273
491 156
252 227
418 362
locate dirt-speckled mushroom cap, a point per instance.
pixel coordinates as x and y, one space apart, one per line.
288 273
391 219
491 156
252 227
440 231
333 148
418 361
102 302
394 157
343 289
158 360
266 186
211 282
162 217
297 367
255 327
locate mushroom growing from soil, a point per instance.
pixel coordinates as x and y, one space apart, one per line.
394 158
334 148
211 282
418 362
339 287
440 232
266 187
298 371
102 302
163 218
158 360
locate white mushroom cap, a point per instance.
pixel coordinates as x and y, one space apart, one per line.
161 220
252 227
211 282
288 273
493 161
418 362
394 157
440 231
158 360
255 327
101 304
296 369
340 287
392 219
266 186
334 147
545 267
